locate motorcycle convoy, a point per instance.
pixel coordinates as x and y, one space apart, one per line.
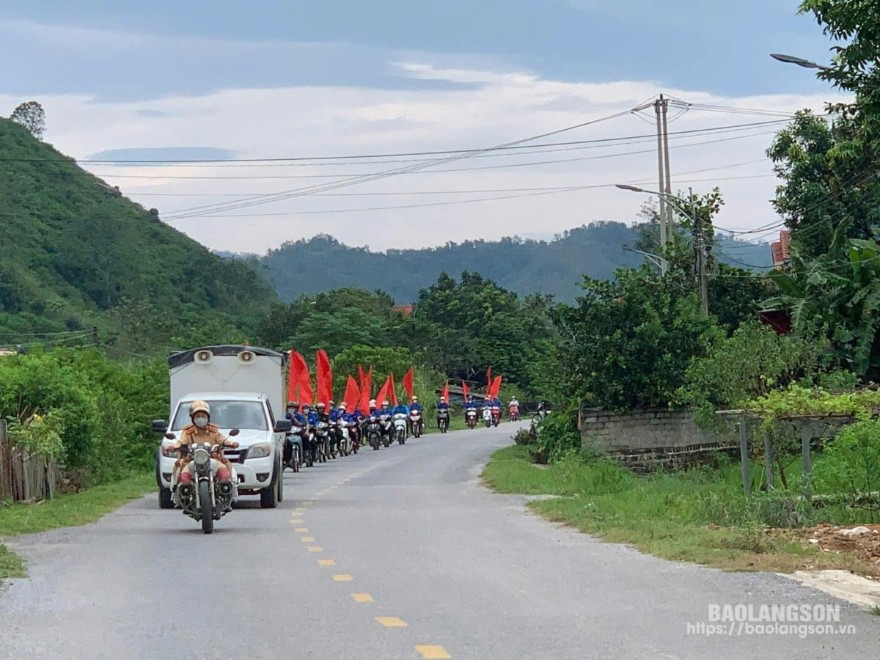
204 487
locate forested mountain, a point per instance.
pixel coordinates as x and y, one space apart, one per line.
74 254
524 266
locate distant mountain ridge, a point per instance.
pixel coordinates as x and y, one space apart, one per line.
553 267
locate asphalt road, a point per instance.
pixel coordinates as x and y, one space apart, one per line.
398 553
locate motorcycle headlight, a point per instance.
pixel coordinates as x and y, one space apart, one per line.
260 450
201 458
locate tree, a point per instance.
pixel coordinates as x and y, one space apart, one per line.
32 116
628 343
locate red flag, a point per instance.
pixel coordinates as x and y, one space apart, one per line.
392 390
352 394
408 383
366 389
361 377
496 387
445 394
464 390
488 379
383 391
293 378
324 376
304 384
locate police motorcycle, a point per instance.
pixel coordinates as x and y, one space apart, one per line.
204 498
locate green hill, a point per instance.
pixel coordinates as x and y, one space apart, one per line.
75 254
524 266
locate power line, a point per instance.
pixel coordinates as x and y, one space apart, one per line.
369 156
296 192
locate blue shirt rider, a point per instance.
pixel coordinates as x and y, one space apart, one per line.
415 405
294 414
400 409
310 414
442 404
470 404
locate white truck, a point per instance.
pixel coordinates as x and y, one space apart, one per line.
245 386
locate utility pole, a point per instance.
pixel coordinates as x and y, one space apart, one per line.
660 110
700 254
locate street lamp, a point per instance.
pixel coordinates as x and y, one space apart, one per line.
800 61
678 202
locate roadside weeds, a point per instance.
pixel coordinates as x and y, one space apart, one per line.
669 516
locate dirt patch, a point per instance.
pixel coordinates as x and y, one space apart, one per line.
861 541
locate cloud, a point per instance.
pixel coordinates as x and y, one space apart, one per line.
162 153
487 195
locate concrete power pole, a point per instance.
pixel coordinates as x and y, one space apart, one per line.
661 107
658 109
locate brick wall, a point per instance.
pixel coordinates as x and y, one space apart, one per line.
648 440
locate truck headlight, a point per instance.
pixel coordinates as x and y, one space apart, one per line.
259 450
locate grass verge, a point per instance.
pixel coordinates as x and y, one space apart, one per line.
68 510
698 516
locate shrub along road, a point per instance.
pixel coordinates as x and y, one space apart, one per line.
399 553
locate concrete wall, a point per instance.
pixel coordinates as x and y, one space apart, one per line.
655 439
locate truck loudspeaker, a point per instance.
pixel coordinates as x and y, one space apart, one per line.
246 356
204 356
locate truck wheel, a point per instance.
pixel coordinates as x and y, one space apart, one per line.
269 496
280 472
166 501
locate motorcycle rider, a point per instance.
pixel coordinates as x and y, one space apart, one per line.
442 406
297 419
202 431
324 416
495 407
309 441
513 408
414 406
385 416
401 409
337 416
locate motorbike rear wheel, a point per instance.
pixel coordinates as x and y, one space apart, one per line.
206 506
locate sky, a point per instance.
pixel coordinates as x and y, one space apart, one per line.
323 110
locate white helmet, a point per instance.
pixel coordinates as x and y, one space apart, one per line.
442 399
372 403
342 406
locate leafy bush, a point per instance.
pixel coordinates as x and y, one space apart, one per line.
41 434
91 413
527 436
851 462
747 365
558 435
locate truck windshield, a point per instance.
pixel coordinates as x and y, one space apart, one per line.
227 415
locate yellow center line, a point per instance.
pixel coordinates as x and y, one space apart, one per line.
307 539
326 562
342 577
362 598
391 621
432 652
315 548
301 529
